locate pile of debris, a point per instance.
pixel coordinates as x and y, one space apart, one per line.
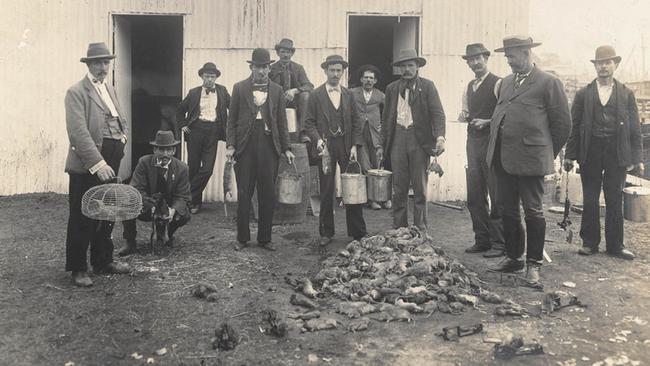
392 276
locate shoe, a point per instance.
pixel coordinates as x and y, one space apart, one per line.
115 268
81 279
587 250
476 248
130 248
532 279
195 209
267 245
170 242
388 205
623 254
239 245
374 205
324 240
494 253
508 265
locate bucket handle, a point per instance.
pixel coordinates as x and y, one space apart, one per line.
350 163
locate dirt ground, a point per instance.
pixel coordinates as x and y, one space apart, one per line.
47 321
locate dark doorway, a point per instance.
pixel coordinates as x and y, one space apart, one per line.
377 40
153 46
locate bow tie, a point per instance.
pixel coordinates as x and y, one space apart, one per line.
261 87
333 89
211 90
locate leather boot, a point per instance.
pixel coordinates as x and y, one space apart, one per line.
130 248
532 279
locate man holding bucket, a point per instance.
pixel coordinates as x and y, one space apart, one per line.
606 141
413 131
256 138
332 122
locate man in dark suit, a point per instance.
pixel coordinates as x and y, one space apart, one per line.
479 101
257 137
332 122
161 173
606 141
529 127
97 132
370 104
202 117
291 76
413 131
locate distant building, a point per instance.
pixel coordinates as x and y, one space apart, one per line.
642 92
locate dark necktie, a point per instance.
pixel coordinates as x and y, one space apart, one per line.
211 90
286 77
261 87
406 84
519 80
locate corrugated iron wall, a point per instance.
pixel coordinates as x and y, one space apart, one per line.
43 41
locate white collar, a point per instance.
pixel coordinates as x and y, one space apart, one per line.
333 88
94 80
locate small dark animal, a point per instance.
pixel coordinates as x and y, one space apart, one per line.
159 221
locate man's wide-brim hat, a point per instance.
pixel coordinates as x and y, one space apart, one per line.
209 67
165 139
604 53
409 54
517 41
332 60
97 51
475 49
369 67
260 57
285 43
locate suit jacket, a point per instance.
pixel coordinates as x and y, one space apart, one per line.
85 116
190 108
370 112
145 180
535 124
317 117
426 110
243 112
298 76
629 144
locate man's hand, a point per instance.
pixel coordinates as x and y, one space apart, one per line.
105 173
380 154
172 211
320 145
186 130
568 165
353 153
230 152
440 146
638 168
479 123
290 94
462 116
290 156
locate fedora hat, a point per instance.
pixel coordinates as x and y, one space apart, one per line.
408 55
604 53
261 56
164 139
475 49
209 67
517 41
285 43
369 67
97 51
334 59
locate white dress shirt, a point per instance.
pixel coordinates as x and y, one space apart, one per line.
475 85
100 87
604 92
367 95
404 116
208 106
334 92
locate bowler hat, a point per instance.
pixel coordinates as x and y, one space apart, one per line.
604 53
164 139
517 41
261 56
369 67
475 49
97 51
209 67
408 55
285 43
334 59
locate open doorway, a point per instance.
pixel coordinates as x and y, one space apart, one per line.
148 78
377 40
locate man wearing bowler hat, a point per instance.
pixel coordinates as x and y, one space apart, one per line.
202 117
333 122
291 76
160 173
606 141
413 131
257 137
97 132
479 100
529 127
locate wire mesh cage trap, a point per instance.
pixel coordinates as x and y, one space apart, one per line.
112 202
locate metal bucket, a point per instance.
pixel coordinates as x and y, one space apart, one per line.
353 187
379 185
289 186
292 121
636 204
